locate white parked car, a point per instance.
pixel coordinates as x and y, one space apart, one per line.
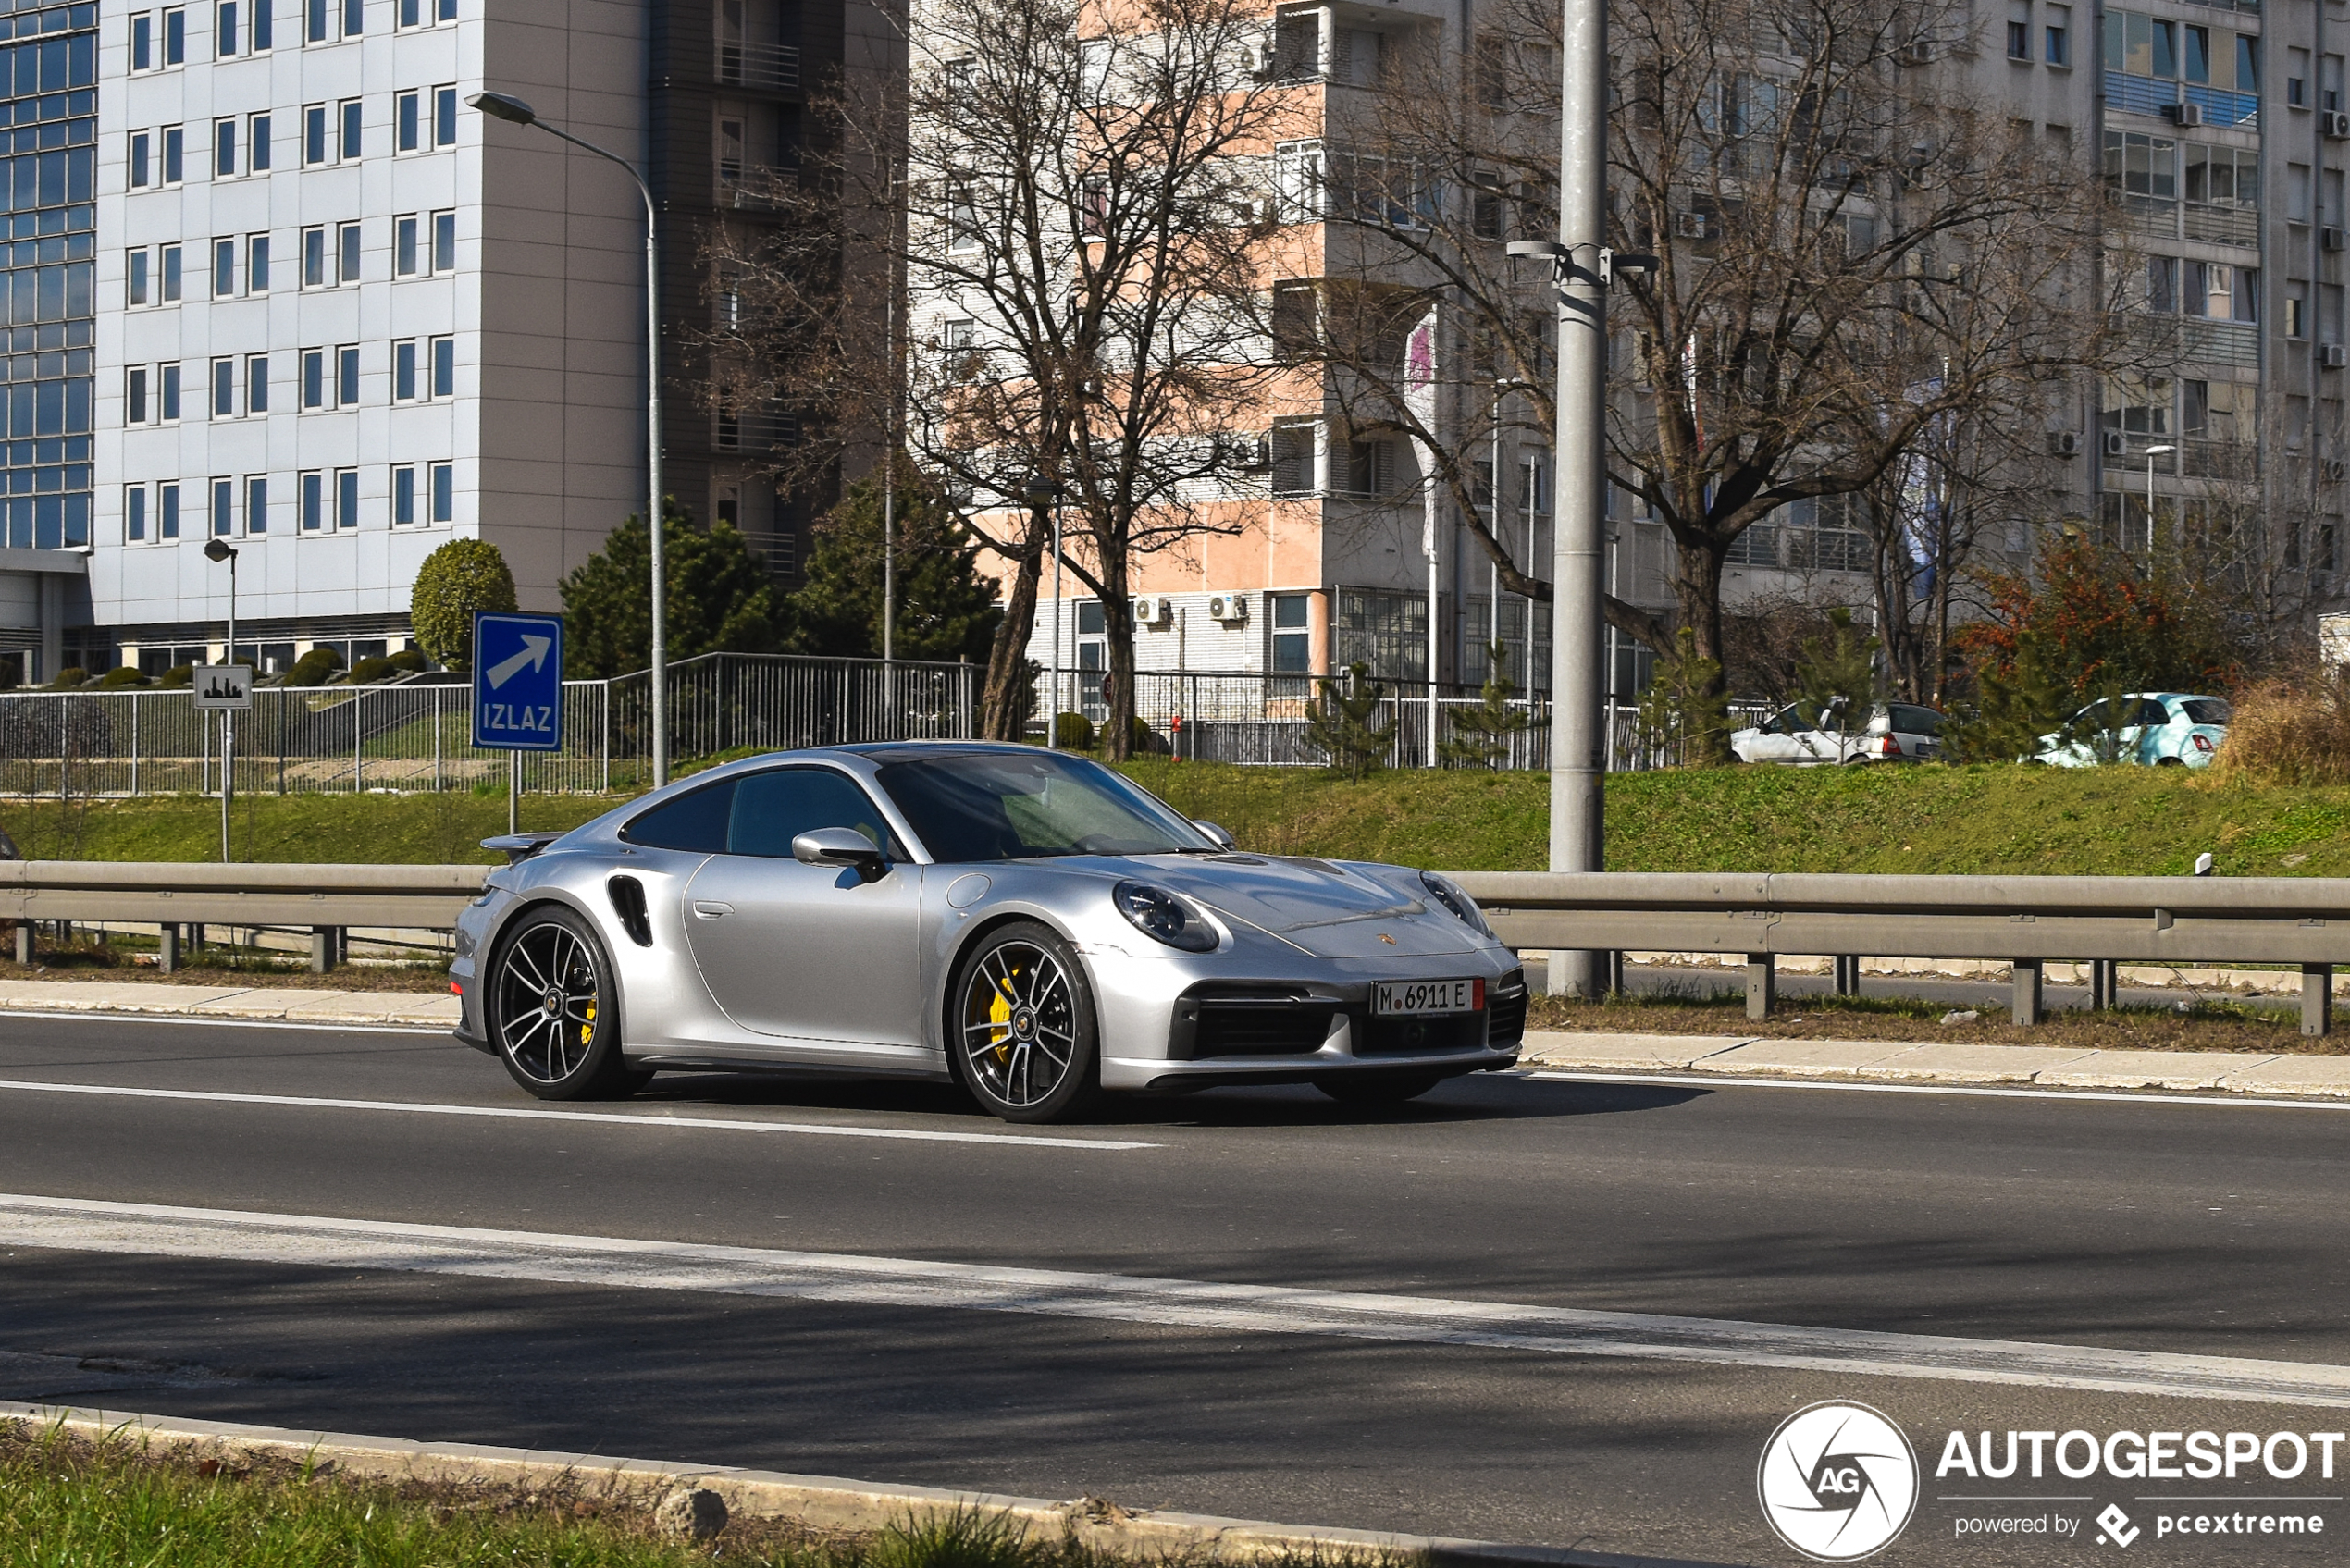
1800 737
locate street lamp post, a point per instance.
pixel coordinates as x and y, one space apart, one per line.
507 107
219 550
2153 453
1043 491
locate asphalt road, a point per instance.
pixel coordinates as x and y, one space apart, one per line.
2076 1225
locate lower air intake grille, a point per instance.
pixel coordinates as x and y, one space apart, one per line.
1507 1011
1412 1037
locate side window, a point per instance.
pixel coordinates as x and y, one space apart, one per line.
2152 713
695 822
1911 721
772 808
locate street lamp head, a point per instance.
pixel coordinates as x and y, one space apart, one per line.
1040 491
505 107
218 549
2158 451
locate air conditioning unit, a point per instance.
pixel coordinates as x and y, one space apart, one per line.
2332 239
2334 123
1259 61
1153 612
2332 356
1253 456
2115 444
2188 114
1689 225
2336 470
1229 608
2064 443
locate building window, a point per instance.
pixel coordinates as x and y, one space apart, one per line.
142 46
175 154
403 371
223 269
224 149
1293 459
444 117
404 495
134 395
224 507
257 265
175 37
962 218
444 242
134 513
404 259
2059 35
140 160
1370 467
167 511
347 376
1386 631
346 498
444 367
264 34
444 492
313 379
407 122
355 17
2020 30
314 492
257 145
224 388
224 30
347 142
314 134
167 392
347 253
256 383
314 258
257 504
319 20
168 264
1292 642
140 288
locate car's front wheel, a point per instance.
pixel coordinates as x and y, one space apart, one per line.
1024 1042
1372 1090
550 1010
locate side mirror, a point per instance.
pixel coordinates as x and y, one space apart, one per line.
840 846
1223 840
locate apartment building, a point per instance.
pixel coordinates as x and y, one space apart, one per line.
274 284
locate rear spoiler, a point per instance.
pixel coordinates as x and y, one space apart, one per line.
520 846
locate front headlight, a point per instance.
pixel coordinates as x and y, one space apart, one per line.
1463 907
1162 916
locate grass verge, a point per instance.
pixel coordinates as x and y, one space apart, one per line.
111 1505
2271 1030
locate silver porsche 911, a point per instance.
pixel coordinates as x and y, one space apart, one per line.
1029 925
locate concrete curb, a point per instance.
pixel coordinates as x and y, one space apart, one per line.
281 1003
2217 1073
824 1503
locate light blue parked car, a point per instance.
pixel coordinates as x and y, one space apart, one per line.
2159 728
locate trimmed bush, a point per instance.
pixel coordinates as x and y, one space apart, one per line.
1073 731
459 578
314 668
120 676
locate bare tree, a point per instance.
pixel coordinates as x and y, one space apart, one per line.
1075 197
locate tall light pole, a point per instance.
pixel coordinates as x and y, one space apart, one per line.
220 550
1042 492
507 107
2153 453
1580 265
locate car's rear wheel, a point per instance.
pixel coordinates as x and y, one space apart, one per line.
552 1014
1370 1090
1024 1040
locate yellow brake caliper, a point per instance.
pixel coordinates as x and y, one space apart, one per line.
999 1013
588 1030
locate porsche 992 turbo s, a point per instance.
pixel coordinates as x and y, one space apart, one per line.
1028 924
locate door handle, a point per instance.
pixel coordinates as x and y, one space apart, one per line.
712 909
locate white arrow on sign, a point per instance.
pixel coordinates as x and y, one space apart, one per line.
534 653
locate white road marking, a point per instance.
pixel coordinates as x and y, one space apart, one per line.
518 1112
2109 1096
614 1262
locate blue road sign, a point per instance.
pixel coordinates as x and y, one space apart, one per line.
518 682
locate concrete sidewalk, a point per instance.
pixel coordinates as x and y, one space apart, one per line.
2215 1072
270 1002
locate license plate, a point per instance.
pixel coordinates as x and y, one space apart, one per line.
1419 997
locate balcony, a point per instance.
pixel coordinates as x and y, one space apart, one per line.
2158 96
2220 460
763 67
748 187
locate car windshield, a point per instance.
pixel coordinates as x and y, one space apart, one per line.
2205 709
1005 805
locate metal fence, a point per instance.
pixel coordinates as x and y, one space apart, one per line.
415 735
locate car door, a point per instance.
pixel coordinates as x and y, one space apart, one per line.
1774 741
813 953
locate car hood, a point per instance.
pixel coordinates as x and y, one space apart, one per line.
1328 908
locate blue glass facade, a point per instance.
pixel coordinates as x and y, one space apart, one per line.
48 183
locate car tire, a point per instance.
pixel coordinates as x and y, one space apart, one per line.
1021 1031
551 1013
1370 1091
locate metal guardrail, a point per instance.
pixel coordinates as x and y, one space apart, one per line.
2027 921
